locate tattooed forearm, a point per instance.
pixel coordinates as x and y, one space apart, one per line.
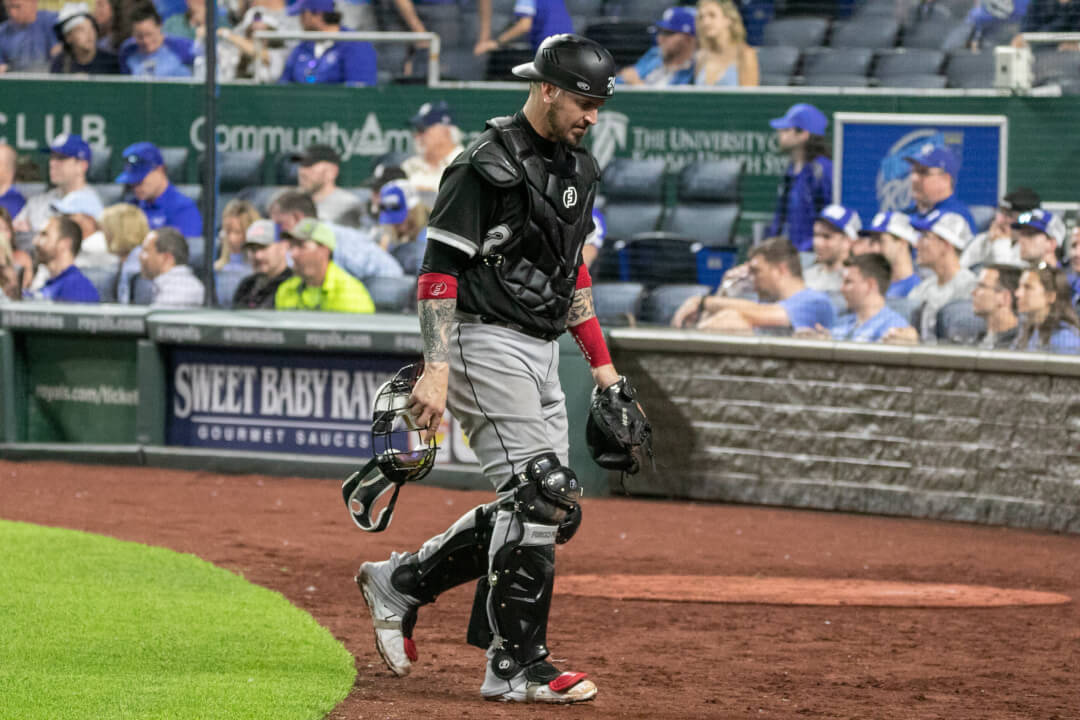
435 319
581 307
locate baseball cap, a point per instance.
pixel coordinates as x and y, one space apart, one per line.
312 229
893 222
78 203
1044 221
72 15
936 156
69 145
949 226
802 116
396 199
843 219
383 174
429 114
261 233
139 160
317 153
1022 199
677 19
315 6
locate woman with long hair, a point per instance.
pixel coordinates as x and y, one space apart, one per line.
236 218
723 57
1044 301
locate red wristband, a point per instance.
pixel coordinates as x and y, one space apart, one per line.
584 279
436 286
590 338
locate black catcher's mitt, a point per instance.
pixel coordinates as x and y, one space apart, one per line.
617 431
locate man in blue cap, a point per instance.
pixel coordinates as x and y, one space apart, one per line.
934 170
835 229
671 60
438 142
807 186
144 171
69 161
352 63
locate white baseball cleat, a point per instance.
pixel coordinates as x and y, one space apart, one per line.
539 683
396 650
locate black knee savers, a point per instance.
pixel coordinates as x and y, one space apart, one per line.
549 491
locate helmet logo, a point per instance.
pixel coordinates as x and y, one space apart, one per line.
584 86
569 197
611 85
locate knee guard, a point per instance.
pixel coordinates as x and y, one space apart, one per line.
548 491
456 557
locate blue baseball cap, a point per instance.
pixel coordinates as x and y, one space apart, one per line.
78 203
1043 221
429 114
802 116
68 145
677 19
936 156
139 160
315 6
843 219
396 199
893 222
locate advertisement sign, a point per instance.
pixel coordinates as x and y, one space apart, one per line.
305 403
870 172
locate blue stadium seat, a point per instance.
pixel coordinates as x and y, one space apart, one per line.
392 294
142 290
109 192
707 202
908 61
104 279
797 32
226 281
101 166
196 252
865 32
659 304
633 190
958 324
617 303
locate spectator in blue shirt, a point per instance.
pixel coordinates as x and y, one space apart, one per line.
78 32
934 171
10 199
890 233
785 303
163 204
671 60
150 52
1049 321
866 278
352 63
539 19
26 37
807 186
56 247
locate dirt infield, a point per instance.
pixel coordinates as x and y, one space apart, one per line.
651 659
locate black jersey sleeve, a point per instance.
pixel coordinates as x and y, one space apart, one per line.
464 210
443 259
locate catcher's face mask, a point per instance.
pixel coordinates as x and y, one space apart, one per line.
400 454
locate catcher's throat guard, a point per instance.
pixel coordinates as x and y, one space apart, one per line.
399 454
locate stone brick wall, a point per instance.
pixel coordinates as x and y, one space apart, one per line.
922 432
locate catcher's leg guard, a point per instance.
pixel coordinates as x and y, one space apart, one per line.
457 556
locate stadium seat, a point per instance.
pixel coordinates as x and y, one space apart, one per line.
226 281
931 12
236 169
915 61
837 80
176 164
633 190
958 324
502 60
392 294
797 32
983 216
394 158
104 279
777 60
101 167
1053 66
927 34
193 191
461 64
660 258
30 189
876 8
707 202
196 252
999 34
659 304
410 256
865 32
617 303
109 192
923 81
285 169
608 263
626 40
836 61
970 70
588 7
647 11
774 80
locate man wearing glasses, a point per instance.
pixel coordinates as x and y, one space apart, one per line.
996 244
934 170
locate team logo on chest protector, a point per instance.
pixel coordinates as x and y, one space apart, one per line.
569 197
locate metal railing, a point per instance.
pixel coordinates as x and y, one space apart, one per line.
434 51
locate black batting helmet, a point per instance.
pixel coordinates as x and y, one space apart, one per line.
573 63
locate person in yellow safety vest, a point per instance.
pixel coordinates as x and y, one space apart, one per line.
319 284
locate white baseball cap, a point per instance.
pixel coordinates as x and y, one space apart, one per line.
893 222
949 226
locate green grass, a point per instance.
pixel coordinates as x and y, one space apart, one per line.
96 628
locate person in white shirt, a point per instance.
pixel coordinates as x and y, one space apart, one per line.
997 245
317 176
69 161
164 260
438 142
835 229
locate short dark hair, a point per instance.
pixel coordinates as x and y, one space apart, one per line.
1008 276
873 266
331 18
295 201
145 11
70 229
169 240
778 251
